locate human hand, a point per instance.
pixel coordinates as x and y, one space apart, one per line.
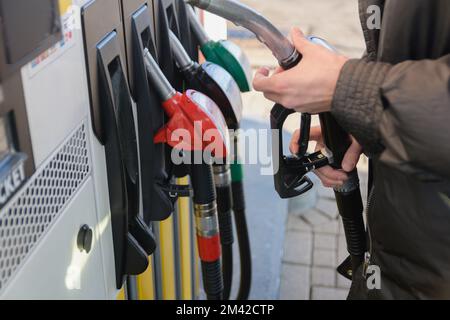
309 87
331 177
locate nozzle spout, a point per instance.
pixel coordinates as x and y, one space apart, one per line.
246 17
197 27
182 58
159 80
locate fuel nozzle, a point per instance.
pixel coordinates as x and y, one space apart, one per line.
197 27
198 116
189 111
291 179
163 86
182 58
265 31
224 53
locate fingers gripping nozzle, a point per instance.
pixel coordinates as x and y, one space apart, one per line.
291 178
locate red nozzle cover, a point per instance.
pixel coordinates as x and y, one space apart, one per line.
195 124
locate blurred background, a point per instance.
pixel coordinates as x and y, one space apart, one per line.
297 244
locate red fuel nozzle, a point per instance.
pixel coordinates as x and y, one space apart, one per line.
195 124
195 121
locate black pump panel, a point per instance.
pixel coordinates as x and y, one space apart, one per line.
112 110
186 36
99 18
139 34
167 17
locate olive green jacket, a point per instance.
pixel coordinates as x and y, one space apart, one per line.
396 102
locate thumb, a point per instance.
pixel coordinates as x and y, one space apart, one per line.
352 156
299 40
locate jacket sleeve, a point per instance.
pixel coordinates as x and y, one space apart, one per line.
399 113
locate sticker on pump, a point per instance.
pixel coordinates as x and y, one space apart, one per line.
69 15
213 112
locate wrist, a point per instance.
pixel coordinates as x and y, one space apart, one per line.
357 103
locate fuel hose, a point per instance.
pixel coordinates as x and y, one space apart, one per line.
207 228
240 220
197 78
184 109
348 196
222 180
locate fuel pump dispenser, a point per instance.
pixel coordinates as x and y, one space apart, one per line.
215 82
186 111
291 180
218 84
183 282
229 56
156 187
56 239
223 53
114 123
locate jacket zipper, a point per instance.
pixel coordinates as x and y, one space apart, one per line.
368 255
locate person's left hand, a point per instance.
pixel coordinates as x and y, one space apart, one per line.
309 87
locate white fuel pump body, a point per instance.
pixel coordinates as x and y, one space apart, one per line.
39 226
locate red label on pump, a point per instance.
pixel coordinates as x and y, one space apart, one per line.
196 124
209 249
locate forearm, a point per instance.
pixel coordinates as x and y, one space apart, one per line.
357 103
400 113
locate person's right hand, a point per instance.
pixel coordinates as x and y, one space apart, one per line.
330 177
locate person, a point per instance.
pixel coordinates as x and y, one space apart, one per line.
395 102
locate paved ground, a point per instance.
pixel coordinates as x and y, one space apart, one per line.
314 244
314 247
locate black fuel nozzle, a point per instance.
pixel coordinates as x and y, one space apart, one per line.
291 178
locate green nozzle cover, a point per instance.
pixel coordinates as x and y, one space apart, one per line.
215 52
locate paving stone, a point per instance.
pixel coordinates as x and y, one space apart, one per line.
343 283
342 250
341 227
326 193
322 293
328 207
295 282
331 227
302 204
315 218
325 277
298 248
324 258
296 223
325 241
